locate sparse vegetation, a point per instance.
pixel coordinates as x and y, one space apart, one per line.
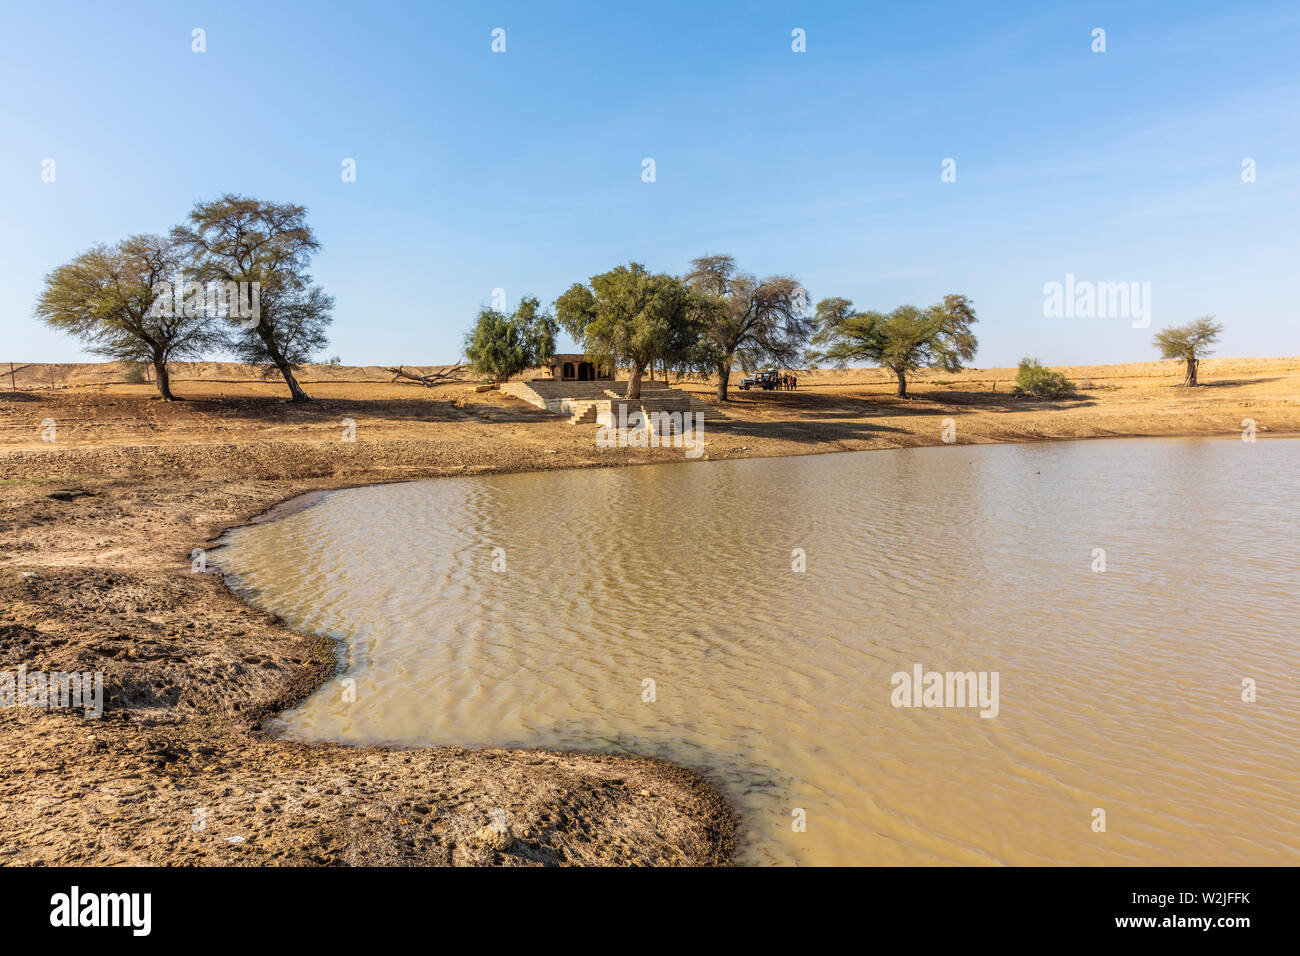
630 317
902 341
1188 343
1038 381
243 240
119 299
502 345
105 297
745 319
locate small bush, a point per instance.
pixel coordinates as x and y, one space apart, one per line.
135 375
1037 381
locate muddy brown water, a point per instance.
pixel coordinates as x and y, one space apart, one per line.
1118 690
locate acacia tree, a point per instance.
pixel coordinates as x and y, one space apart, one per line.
244 240
755 322
1188 343
107 297
902 341
502 345
628 316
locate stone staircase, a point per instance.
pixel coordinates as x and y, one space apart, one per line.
571 399
585 403
660 398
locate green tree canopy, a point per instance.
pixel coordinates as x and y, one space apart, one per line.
244 240
902 341
1038 381
755 322
502 345
1189 343
628 316
106 298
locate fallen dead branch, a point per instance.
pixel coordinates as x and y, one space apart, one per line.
451 373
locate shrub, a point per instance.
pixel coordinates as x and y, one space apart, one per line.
135 375
1038 381
501 345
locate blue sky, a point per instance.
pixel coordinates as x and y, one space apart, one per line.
522 170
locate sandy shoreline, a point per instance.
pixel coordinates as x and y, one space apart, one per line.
179 771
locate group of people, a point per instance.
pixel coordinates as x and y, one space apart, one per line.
787 381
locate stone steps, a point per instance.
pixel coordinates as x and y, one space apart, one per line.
549 389
585 403
524 392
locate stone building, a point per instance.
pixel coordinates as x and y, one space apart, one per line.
575 367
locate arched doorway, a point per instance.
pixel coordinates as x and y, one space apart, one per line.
568 371
586 372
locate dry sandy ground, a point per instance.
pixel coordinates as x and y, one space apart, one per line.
96 534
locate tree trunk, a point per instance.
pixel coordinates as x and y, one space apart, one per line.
1190 380
724 374
295 390
164 380
266 334
902 383
634 382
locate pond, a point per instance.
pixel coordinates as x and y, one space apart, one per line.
1084 623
